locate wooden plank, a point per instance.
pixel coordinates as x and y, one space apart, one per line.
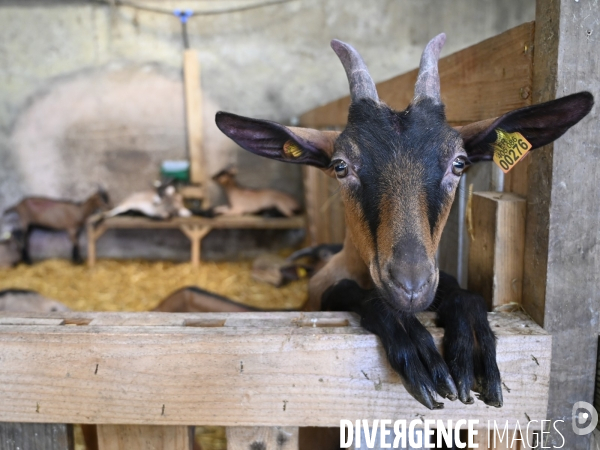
38 436
480 82
232 222
193 110
263 438
144 437
324 208
288 374
496 247
562 266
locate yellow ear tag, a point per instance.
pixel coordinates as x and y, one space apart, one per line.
509 149
292 150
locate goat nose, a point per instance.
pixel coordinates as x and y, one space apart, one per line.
412 280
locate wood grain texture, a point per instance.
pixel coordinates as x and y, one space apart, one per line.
36 436
144 437
480 82
238 369
496 247
563 210
262 438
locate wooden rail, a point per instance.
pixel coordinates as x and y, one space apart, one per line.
236 369
195 228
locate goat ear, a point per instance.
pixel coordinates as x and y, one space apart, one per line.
275 141
539 124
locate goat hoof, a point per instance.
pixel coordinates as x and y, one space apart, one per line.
446 388
464 395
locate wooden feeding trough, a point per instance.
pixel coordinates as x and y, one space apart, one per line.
195 228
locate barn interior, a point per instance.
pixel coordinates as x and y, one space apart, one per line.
120 96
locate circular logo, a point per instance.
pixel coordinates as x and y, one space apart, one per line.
584 413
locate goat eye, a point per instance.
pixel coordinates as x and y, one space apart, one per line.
341 169
459 165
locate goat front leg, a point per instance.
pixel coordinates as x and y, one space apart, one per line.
469 342
409 346
74 238
25 256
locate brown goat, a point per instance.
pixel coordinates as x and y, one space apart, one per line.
397 172
251 201
57 215
193 299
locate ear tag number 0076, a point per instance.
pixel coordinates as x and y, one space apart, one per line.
509 149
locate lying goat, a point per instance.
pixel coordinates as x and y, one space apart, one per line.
57 215
22 300
163 203
398 172
251 201
194 299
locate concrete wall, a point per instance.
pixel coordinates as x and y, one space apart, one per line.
91 94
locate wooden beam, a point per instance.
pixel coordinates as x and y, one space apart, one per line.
238 369
263 438
193 109
480 82
231 222
144 437
562 266
496 247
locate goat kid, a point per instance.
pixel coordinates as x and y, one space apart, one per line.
398 172
251 201
163 203
57 215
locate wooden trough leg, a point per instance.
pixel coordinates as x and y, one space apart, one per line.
263 438
93 234
47 436
144 437
195 235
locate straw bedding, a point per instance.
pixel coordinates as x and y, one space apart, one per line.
140 285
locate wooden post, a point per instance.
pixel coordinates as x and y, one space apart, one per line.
47 436
193 109
263 438
195 235
562 266
144 437
93 233
91 244
497 231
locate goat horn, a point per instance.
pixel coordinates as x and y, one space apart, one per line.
428 81
361 83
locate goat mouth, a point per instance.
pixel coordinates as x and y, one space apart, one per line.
401 302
